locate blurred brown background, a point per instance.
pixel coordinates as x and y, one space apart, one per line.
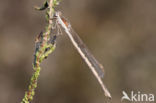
120 33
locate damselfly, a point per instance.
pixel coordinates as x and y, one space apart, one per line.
90 60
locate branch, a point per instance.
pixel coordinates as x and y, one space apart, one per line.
44 45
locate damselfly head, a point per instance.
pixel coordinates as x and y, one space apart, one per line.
65 21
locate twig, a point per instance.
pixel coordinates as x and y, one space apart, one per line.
44 46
